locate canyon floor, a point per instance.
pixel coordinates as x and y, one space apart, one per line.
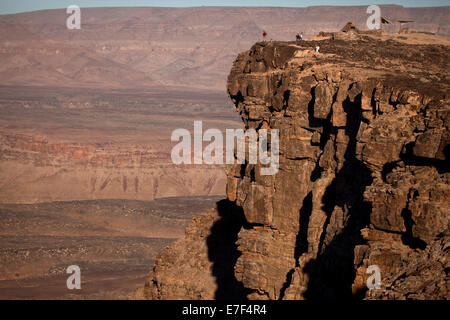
86 179
114 242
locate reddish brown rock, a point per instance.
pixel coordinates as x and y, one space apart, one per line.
362 181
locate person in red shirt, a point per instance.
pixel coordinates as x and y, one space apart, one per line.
264 35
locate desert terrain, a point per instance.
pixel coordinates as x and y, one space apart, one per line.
86 118
87 180
187 47
88 114
62 144
112 241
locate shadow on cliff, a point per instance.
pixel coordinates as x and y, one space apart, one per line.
301 243
223 253
332 273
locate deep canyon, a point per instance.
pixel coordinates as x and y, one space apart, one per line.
86 177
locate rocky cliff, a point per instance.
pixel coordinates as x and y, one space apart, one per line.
363 179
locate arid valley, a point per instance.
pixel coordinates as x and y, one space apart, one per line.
86 176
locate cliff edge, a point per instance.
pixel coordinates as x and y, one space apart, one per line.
363 179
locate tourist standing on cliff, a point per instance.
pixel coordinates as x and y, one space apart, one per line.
264 35
298 37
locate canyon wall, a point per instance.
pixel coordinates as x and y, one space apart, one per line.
72 144
33 169
363 179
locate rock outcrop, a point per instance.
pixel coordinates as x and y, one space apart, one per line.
363 179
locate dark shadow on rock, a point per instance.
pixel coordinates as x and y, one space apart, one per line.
223 253
408 238
332 273
441 165
301 243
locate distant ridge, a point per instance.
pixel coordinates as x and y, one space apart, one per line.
148 46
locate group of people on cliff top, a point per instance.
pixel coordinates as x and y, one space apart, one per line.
298 36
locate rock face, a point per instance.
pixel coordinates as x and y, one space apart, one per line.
66 145
201 266
363 179
67 171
